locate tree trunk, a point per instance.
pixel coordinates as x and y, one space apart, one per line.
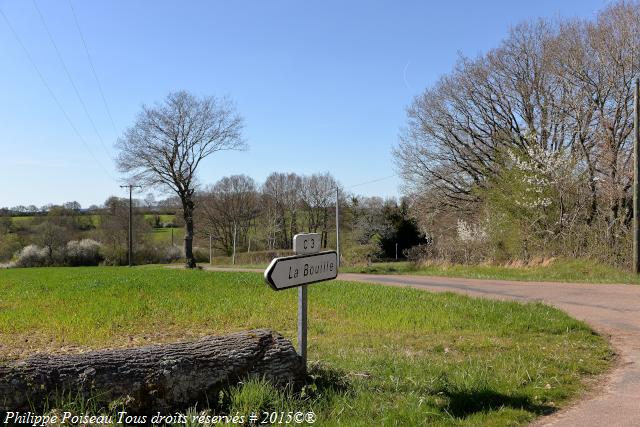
187 209
167 377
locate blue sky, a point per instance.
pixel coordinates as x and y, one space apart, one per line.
322 85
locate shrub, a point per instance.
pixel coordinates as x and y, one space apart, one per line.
83 252
114 254
9 245
201 254
173 253
418 253
32 256
361 254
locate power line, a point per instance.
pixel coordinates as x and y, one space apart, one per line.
53 96
93 69
66 70
372 181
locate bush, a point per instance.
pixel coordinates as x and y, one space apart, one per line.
418 253
84 252
9 245
32 256
173 254
361 254
114 254
201 254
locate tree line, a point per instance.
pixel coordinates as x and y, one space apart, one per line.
526 150
266 217
262 217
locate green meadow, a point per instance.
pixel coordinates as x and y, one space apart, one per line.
559 270
379 355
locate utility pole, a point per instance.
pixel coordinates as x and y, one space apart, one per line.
210 251
130 187
338 224
396 251
636 176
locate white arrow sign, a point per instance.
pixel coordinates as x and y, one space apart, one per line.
297 270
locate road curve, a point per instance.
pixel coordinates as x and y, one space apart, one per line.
611 310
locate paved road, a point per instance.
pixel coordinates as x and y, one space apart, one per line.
612 310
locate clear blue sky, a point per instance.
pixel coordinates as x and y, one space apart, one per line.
322 85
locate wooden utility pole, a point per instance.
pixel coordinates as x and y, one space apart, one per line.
636 176
130 187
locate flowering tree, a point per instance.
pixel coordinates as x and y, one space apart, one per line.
535 198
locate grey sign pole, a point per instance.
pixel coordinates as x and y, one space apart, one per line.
302 323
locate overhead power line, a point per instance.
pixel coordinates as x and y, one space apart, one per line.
51 93
372 181
66 70
93 68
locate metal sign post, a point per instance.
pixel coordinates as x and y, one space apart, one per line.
302 323
307 266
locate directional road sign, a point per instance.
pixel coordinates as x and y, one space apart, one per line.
298 270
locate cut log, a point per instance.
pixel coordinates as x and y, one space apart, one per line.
154 378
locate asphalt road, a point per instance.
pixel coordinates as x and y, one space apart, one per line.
611 310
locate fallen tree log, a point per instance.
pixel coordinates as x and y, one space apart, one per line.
154 378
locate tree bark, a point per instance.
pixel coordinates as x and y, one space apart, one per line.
163 378
187 209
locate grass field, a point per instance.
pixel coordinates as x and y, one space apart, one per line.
569 270
574 270
390 356
163 235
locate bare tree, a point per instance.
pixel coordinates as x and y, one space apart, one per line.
229 207
113 229
281 194
168 142
318 195
560 87
53 238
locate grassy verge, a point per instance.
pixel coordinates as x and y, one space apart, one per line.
390 355
574 270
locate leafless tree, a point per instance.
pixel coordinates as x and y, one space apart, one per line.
53 238
318 195
169 141
113 231
281 195
230 205
561 85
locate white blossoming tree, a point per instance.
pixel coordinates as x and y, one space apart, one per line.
533 201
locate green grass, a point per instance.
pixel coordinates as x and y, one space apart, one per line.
563 270
163 235
390 356
163 217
